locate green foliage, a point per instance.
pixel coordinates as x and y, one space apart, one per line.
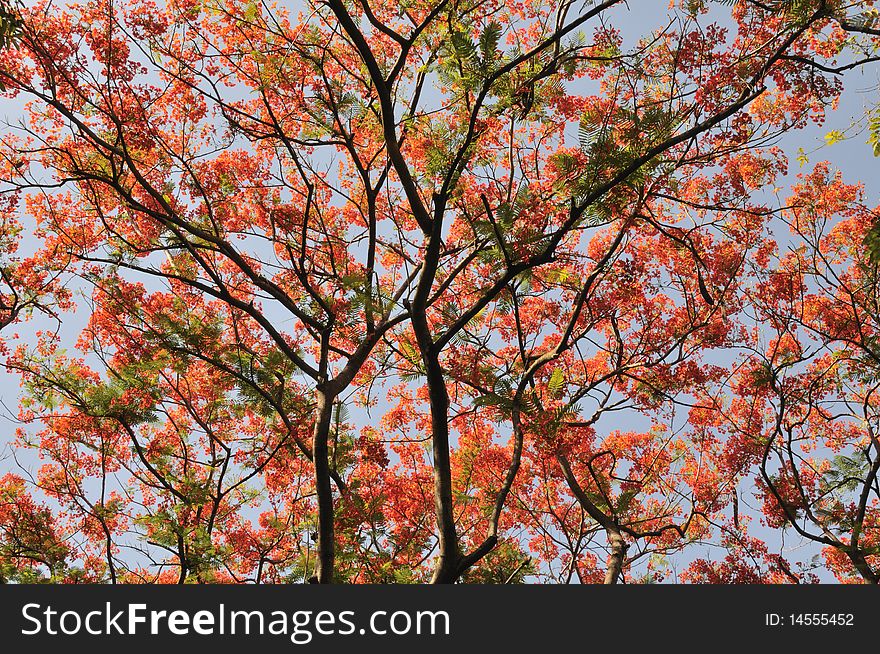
501 397
167 527
871 243
261 375
625 500
414 359
501 227
10 24
445 143
60 382
846 474
874 131
467 63
108 399
489 44
611 145
556 382
798 9
762 376
506 564
343 451
564 414
834 136
361 296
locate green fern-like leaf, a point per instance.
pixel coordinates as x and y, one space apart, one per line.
874 131
556 382
489 44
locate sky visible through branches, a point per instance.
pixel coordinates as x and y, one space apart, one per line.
840 139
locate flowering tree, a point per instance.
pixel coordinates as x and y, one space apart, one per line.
368 290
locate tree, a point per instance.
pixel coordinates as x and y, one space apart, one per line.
806 400
278 226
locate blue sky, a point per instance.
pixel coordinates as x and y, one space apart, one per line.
851 155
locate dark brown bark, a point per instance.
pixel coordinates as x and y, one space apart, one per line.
447 566
326 546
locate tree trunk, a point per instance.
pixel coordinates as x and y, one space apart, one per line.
446 569
617 556
321 465
861 565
